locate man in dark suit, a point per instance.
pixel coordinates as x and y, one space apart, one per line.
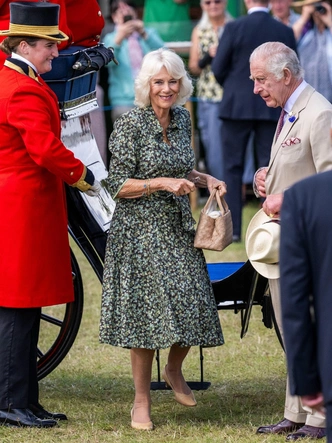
242 111
306 290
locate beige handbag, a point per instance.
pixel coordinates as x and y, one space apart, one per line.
215 228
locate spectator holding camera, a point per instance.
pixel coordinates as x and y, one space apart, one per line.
283 12
131 41
313 33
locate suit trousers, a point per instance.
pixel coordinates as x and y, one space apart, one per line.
294 410
235 136
328 407
210 127
19 332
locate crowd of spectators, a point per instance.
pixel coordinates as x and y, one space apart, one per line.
202 23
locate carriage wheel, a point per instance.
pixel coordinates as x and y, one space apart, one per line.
276 327
59 327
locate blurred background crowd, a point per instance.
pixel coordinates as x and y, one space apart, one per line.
193 28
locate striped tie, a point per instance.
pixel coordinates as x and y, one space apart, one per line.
280 123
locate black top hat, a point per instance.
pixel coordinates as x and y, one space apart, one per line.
35 19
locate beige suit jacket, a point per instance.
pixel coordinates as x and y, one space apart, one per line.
304 146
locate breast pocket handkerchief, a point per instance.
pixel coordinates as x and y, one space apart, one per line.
291 141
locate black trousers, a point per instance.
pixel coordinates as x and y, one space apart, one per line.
19 332
328 407
235 136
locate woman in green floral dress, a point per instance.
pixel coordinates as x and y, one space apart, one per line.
156 289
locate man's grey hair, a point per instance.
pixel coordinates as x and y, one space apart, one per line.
278 57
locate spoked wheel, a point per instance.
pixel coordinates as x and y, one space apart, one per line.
59 327
276 327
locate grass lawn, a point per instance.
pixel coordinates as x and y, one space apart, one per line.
93 384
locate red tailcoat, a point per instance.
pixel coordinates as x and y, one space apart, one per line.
35 265
85 21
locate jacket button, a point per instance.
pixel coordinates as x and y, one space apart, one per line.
99 13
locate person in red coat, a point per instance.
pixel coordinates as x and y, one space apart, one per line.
85 21
82 22
34 164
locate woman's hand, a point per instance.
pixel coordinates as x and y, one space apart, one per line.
213 50
140 28
124 30
213 183
325 18
178 186
202 180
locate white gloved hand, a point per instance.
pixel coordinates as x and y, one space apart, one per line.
94 190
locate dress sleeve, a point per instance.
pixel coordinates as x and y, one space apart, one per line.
123 159
187 121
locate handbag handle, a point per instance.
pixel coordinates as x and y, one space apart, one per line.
223 206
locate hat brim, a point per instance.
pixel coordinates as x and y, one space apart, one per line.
271 271
57 37
301 3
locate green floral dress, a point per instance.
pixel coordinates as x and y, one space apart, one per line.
156 289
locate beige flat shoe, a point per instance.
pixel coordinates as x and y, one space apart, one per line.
183 399
141 426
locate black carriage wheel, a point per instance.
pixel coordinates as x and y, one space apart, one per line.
276 328
64 324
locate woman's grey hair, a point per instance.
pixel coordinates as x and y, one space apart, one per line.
152 63
278 57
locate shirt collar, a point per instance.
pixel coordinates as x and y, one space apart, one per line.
292 99
19 57
258 9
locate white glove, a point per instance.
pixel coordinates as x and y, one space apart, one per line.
94 190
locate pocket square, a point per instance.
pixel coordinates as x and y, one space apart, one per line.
291 141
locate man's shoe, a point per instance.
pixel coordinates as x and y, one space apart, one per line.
23 418
307 432
283 427
41 413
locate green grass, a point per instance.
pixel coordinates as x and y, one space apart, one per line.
93 384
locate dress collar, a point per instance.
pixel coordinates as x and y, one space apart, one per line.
175 123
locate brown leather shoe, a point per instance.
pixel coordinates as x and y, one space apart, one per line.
307 432
283 427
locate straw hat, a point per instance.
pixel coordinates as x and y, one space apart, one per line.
34 19
300 3
262 244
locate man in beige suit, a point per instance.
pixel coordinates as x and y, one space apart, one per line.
301 147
